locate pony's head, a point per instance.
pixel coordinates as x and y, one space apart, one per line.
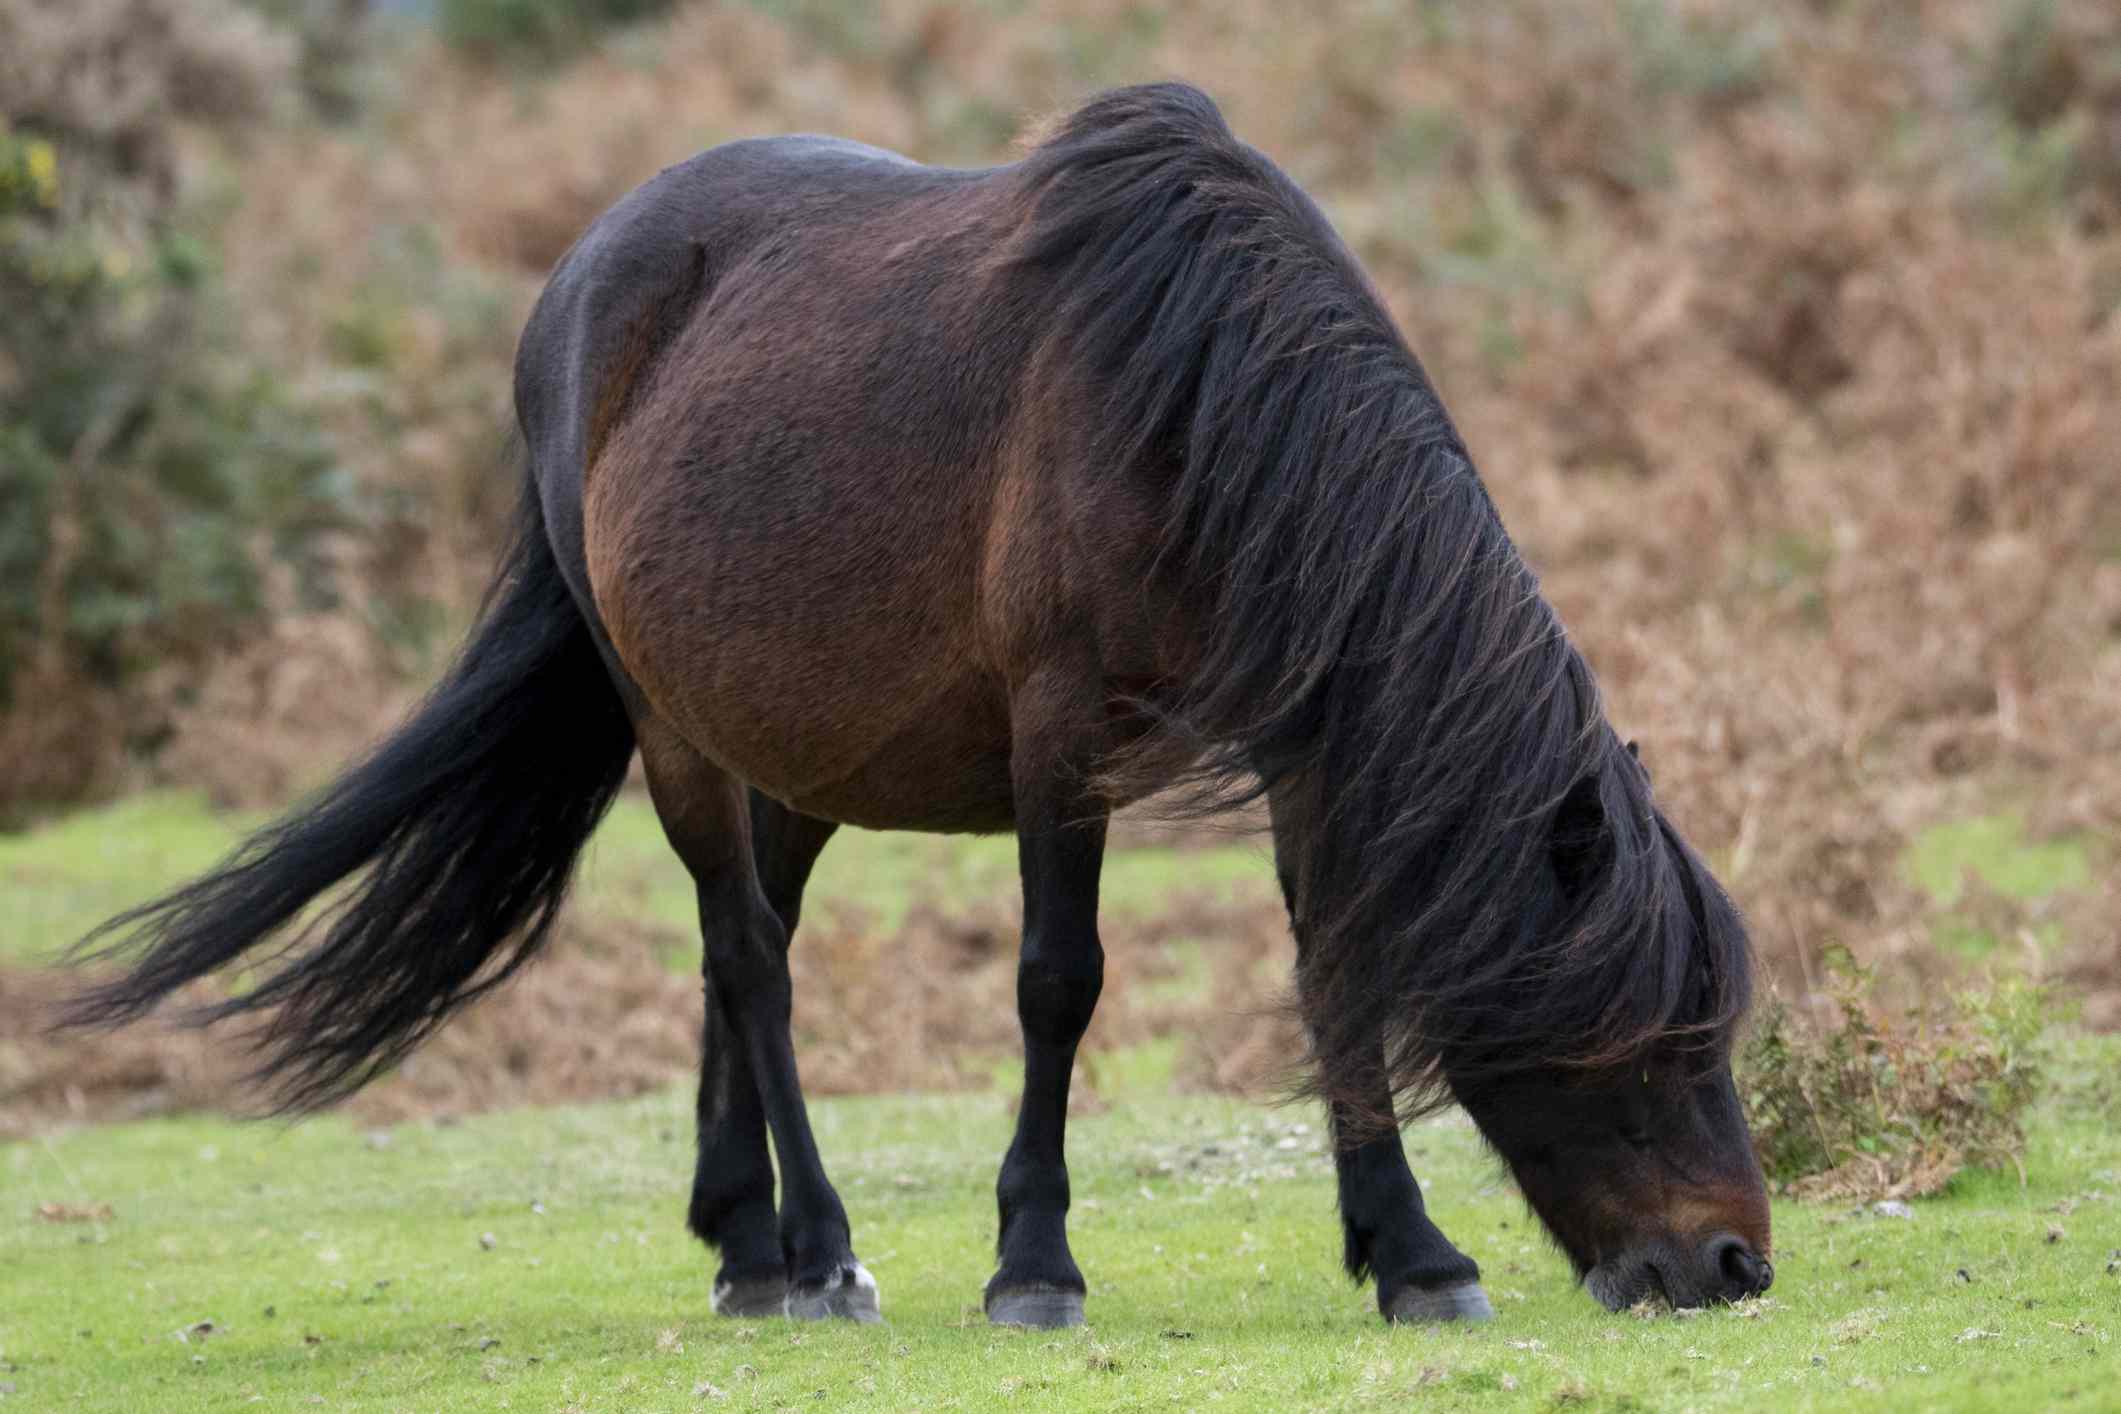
1487 903
1626 1136
1582 1012
1647 1180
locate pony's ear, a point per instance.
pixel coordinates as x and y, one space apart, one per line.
1582 844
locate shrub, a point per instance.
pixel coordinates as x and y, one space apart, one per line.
154 475
1877 1107
334 47
540 30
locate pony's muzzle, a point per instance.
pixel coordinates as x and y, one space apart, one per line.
1722 1267
1730 1262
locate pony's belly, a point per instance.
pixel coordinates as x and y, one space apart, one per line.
974 797
829 744
913 737
945 768
850 687
842 737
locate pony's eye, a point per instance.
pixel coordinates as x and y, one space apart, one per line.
1635 1136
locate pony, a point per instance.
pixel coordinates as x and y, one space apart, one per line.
871 493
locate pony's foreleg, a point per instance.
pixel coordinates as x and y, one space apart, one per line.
1420 1275
1385 1228
1060 848
803 1264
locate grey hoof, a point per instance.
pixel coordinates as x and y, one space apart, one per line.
1464 1302
750 1298
850 1295
1041 1305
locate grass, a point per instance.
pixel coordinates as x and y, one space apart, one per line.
1995 849
66 877
348 1269
884 875
1994 854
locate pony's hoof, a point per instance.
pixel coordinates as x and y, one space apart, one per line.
849 1294
1463 1302
750 1298
1040 1305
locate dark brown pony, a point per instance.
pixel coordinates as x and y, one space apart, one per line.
872 493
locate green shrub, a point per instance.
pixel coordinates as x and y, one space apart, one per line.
540 30
334 50
161 490
1714 63
1875 1107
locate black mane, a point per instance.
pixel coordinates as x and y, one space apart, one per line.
1486 885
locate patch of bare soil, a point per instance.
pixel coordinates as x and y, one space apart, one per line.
929 1007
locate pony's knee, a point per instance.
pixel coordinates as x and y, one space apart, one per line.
748 962
1057 989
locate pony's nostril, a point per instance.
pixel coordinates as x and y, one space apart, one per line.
1744 1272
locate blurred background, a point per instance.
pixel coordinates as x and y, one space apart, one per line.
1788 338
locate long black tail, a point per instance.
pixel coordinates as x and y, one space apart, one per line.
454 842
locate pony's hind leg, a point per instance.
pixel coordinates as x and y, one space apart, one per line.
801 1263
1060 845
784 848
732 1185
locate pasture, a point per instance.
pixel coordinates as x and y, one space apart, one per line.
342 1262
1787 341
347 1267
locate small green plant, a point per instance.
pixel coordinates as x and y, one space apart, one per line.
1876 1106
1718 65
2033 73
335 50
535 30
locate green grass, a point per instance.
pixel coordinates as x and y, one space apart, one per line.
64 878
882 876
1994 849
350 1270
347 1271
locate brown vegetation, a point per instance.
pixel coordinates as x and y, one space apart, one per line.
928 1007
1790 348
